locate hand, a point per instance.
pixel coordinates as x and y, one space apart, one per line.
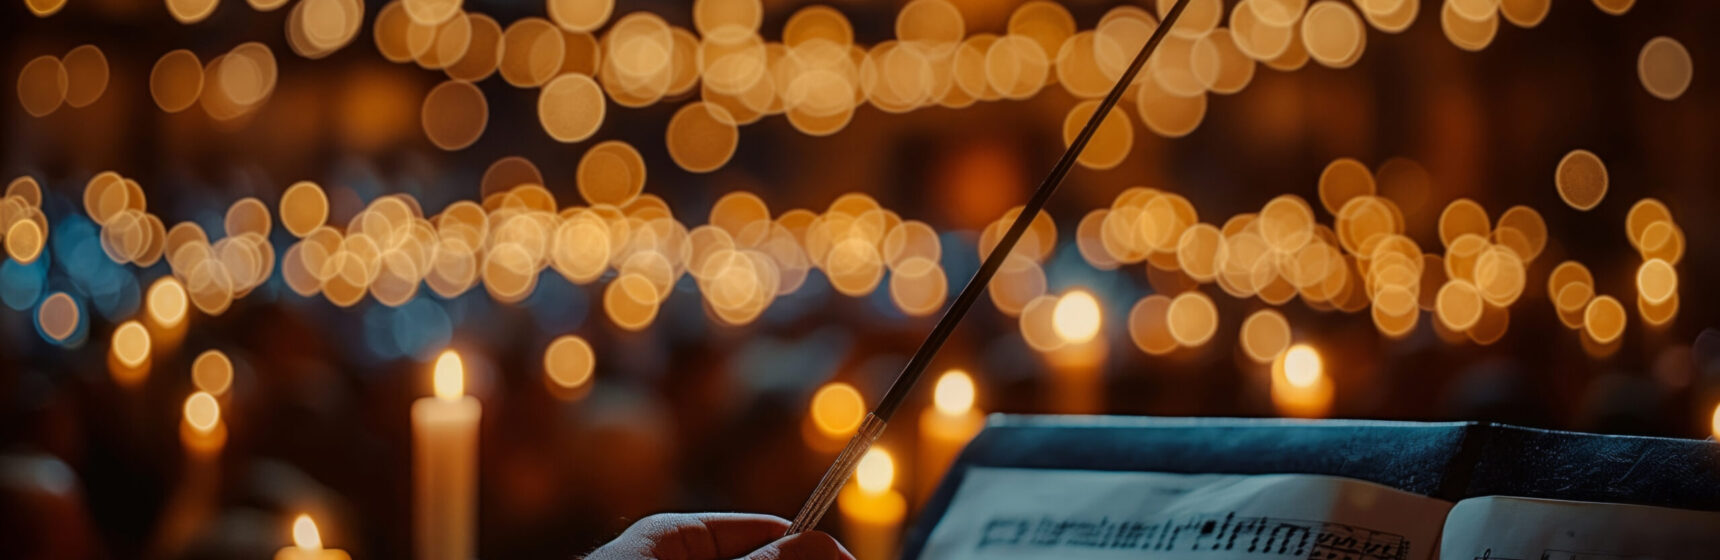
715 536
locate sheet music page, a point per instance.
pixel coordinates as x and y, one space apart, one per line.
1098 515
1504 528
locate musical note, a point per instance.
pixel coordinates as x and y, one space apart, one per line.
1264 537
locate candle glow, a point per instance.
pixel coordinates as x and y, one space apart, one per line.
308 544
1300 386
1716 423
1076 317
876 471
449 379
945 428
1302 366
305 535
954 394
872 511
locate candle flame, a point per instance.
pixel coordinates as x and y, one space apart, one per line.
877 470
1076 318
1716 425
305 535
954 393
1302 366
202 412
449 380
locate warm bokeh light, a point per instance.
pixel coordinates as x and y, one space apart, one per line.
1604 319
837 409
449 377
212 372
702 137
1458 305
1581 179
86 75
1333 34
611 172
1077 317
131 344
1265 335
954 393
829 238
571 107
42 85
876 472
44 8
24 241
1110 144
532 50
1036 324
58 317
454 115
176 81
1656 281
1149 325
303 208
202 413
569 362
1664 68
1193 318
305 535
1302 366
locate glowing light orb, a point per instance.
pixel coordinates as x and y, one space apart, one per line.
1076 317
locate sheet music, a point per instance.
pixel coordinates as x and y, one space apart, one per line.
1503 528
1081 515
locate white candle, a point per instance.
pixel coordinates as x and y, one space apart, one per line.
945 429
445 466
307 543
872 511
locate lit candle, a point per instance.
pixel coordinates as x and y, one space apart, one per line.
872 511
1300 386
307 543
1077 385
945 429
445 465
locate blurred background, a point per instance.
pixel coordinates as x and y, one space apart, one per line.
645 387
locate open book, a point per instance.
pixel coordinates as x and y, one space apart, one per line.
1073 488
1076 515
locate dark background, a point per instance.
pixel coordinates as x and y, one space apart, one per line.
691 415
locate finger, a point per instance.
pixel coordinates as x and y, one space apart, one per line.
703 536
733 534
814 545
